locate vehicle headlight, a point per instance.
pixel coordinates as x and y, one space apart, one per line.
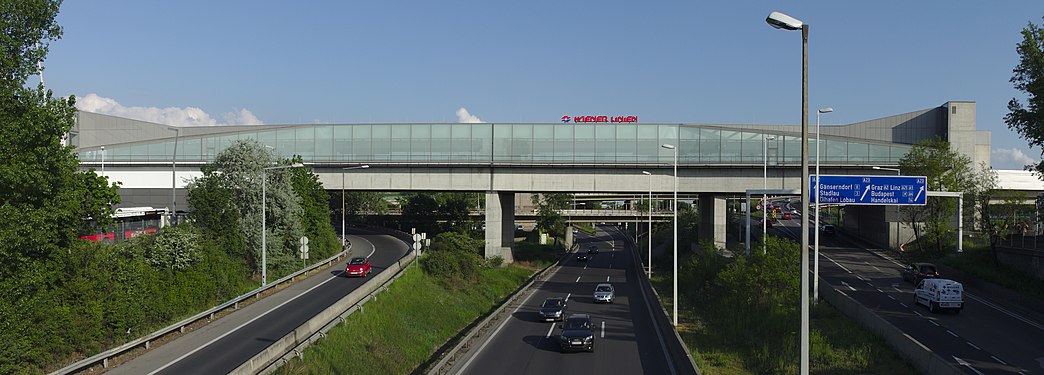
588 338
563 338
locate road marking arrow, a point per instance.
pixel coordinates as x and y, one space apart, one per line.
966 364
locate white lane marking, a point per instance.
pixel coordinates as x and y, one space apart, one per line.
879 290
849 286
999 360
966 364
243 325
972 345
860 277
494 334
934 323
832 261
1005 311
372 246
549 330
567 296
577 279
918 313
603 329
585 266
900 290
951 333
875 267
893 298
903 305
607 279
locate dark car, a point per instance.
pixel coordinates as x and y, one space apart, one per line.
581 257
592 250
828 229
915 272
577 333
553 309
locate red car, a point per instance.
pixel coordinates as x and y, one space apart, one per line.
358 266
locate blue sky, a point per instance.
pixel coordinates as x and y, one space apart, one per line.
278 62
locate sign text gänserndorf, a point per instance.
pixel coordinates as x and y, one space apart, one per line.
870 190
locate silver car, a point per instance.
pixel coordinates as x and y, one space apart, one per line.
604 293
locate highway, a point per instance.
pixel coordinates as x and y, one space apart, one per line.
626 341
224 344
985 338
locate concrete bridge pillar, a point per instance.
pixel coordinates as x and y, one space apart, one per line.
500 225
713 219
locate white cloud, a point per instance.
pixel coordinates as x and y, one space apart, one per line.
464 116
1010 158
168 116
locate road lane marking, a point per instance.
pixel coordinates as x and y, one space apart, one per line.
951 333
849 286
918 313
897 289
607 279
577 279
903 305
966 364
879 290
494 334
972 345
838 264
999 360
1005 311
243 325
549 330
567 296
933 322
893 298
603 329
585 266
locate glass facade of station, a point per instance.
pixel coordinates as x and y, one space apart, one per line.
523 144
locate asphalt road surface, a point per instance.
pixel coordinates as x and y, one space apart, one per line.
985 338
223 345
626 341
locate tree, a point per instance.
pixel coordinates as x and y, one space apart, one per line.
549 212
421 211
315 212
1028 77
45 200
230 189
946 170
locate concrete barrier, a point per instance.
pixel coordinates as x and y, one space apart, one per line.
924 359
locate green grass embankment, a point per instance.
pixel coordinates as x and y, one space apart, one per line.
405 325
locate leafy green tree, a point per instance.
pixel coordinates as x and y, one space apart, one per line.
421 211
315 213
45 200
238 171
1028 119
455 210
358 203
946 170
549 212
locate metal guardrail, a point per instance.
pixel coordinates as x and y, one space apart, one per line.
146 341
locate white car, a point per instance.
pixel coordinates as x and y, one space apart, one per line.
604 293
940 294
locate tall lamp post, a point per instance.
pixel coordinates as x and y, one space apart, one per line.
264 230
782 21
815 254
898 172
173 174
649 259
103 160
343 234
764 197
675 300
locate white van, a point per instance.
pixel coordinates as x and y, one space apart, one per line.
940 294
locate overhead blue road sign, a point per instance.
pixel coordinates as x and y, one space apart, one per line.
870 190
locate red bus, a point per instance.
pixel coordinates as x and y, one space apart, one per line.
130 222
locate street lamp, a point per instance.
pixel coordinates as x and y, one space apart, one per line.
898 172
783 21
764 197
649 269
675 149
364 166
264 230
815 254
173 174
103 160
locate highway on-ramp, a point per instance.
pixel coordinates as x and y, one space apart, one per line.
223 345
985 338
626 340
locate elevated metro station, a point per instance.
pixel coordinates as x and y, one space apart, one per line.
155 162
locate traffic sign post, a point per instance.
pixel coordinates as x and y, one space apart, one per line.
870 190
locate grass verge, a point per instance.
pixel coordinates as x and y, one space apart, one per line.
406 324
725 338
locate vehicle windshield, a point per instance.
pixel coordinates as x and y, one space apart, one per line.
553 303
577 324
604 288
356 261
